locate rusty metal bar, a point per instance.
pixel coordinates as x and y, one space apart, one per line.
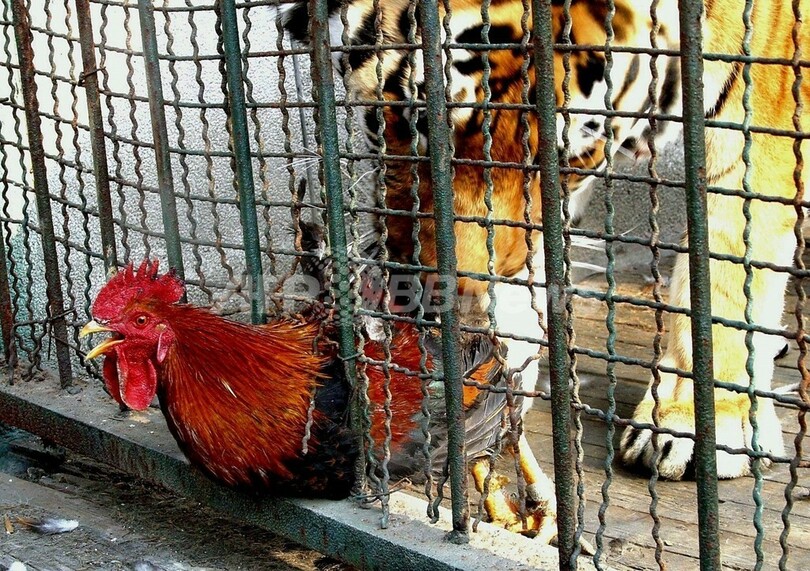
324 88
157 114
89 79
56 303
6 309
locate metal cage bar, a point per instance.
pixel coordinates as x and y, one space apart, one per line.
160 136
553 244
439 141
799 287
756 463
89 79
244 167
610 275
56 303
330 146
694 144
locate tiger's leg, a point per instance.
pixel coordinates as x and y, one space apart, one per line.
540 518
540 493
520 312
772 240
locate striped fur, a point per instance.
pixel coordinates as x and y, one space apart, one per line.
601 82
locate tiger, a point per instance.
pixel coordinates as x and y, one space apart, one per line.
593 71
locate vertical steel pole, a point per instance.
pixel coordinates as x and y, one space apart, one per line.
154 87
89 80
441 175
244 167
56 304
321 69
553 244
6 309
694 144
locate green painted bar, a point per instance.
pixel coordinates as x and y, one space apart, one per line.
244 167
439 134
700 285
56 304
89 80
160 136
321 69
553 244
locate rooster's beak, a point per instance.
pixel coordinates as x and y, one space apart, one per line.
104 346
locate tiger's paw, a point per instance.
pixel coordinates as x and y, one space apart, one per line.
674 455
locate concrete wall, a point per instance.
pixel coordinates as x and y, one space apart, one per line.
631 217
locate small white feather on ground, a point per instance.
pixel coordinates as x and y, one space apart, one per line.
49 526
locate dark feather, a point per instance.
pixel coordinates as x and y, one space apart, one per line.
483 418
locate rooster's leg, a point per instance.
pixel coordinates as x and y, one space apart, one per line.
540 495
501 508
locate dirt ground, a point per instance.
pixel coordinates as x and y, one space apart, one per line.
124 524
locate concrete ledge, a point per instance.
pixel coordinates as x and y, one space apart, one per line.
140 444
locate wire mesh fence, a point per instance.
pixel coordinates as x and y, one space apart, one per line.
440 140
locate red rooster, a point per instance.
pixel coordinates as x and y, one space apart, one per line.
239 398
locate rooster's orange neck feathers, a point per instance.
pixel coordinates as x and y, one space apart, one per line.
222 379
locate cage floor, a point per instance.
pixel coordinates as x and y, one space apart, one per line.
628 538
123 523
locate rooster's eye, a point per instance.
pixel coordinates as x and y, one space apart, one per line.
141 320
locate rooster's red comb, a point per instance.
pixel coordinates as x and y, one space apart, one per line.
130 285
